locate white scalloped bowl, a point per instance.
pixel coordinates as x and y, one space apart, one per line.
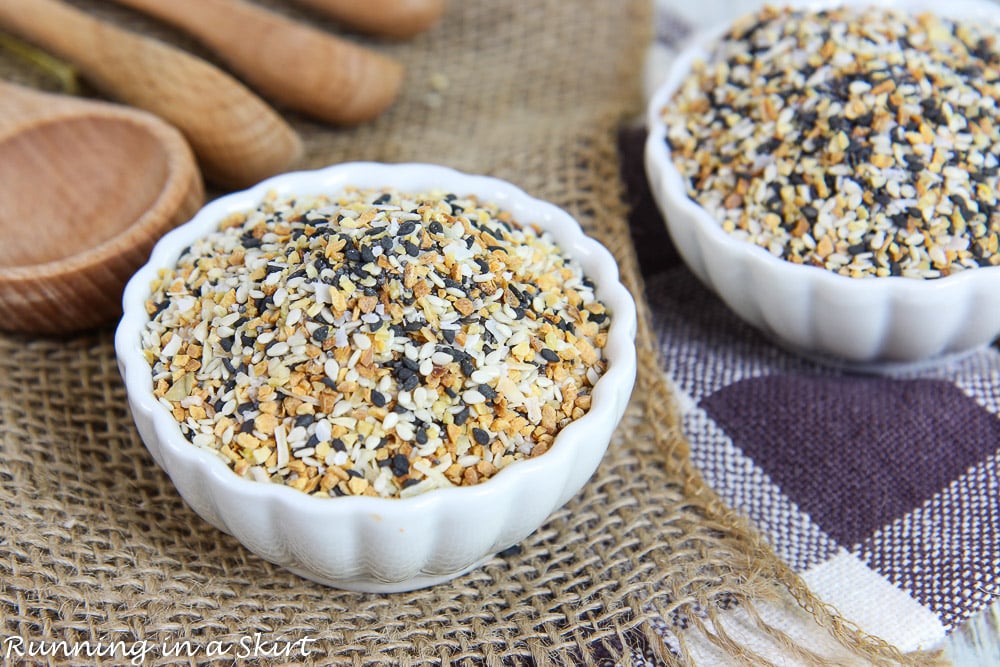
378 544
868 324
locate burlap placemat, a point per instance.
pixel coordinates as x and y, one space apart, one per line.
97 546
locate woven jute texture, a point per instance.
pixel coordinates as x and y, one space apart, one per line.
97 546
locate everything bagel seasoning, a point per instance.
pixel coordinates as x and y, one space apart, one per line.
864 141
374 343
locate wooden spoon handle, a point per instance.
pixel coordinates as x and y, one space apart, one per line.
308 70
236 136
389 18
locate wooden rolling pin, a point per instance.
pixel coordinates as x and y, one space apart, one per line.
237 137
389 18
303 68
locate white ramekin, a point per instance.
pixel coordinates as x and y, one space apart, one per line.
867 323
377 544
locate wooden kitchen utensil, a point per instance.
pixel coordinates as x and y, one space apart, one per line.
237 137
388 18
308 70
86 189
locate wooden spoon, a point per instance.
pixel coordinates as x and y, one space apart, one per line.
238 138
87 188
306 69
389 18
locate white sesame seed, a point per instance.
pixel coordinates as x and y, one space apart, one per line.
278 349
472 397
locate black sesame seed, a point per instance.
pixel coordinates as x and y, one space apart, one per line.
487 391
769 146
461 416
382 199
321 333
421 436
548 355
481 436
352 255
304 420
407 483
378 399
411 383
227 343
411 248
406 228
400 465
312 441
247 427
449 335
435 227
468 368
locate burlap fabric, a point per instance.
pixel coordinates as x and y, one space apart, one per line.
97 546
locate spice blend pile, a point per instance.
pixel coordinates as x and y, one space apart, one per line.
864 141
374 343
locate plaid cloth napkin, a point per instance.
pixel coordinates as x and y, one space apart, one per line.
883 492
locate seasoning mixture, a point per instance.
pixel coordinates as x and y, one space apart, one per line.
375 343
864 141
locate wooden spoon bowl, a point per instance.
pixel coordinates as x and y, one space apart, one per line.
86 189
